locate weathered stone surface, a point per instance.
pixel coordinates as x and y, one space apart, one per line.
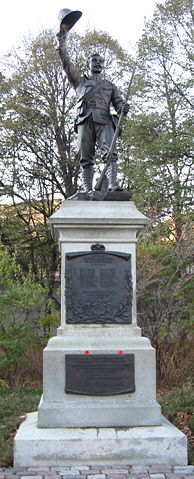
138 445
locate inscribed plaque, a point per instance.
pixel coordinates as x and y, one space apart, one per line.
98 287
99 374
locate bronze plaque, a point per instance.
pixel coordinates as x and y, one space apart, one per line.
99 374
98 287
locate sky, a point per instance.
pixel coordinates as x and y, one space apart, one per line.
123 19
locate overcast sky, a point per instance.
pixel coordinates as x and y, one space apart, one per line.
122 19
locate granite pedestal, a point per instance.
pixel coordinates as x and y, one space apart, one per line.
163 444
74 419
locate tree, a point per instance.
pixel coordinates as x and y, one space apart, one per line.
39 148
157 148
159 159
165 302
39 152
18 334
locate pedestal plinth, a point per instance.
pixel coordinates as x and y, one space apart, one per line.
99 372
93 236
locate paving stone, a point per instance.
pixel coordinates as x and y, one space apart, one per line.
96 476
114 471
190 476
116 467
38 469
159 468
80 468
31 477
60 469
157 476
51 476
75 472
95 471
181 473
116 476
119 476
69 476
29 473
71 473
184 469
61 473
173 475
22 472
140 469
137 476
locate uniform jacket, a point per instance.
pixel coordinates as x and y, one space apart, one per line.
99 104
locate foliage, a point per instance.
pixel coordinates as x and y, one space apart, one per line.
14 404
40 163
50 319
158 161
18 334
117 62
26 233
38 144
17 341
177 407
178 399
165 300
19 292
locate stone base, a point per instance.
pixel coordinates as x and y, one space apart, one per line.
60 409
163 444
101 412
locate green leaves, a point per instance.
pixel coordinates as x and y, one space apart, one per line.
157 142
18 292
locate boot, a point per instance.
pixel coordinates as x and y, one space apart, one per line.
111 174
87 175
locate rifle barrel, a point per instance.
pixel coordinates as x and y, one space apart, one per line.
114 139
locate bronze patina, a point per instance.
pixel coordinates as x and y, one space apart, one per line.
94 123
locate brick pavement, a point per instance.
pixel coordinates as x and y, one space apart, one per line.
100 472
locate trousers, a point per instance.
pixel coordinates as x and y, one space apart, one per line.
90 134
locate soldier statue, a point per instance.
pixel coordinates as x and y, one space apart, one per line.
94 122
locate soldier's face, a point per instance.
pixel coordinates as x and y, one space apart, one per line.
96 64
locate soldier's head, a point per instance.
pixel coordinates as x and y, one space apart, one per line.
95 63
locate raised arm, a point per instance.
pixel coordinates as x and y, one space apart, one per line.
72 72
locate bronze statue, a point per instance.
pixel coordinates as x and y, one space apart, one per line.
94 122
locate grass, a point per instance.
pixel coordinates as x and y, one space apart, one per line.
14 404
177 406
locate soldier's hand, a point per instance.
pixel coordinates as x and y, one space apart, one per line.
125 108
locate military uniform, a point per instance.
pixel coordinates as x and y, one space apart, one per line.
94 122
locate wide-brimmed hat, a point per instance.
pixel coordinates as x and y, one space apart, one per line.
68 17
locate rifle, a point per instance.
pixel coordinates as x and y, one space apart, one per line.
116 134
